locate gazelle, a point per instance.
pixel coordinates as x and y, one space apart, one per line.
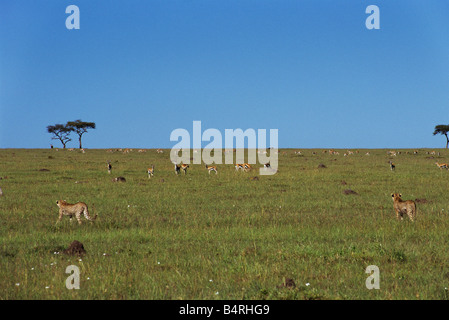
109 167
211 168
184 168
392 166
442 165
151 171
247 166
239 166
267 165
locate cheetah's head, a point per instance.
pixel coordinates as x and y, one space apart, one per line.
396 196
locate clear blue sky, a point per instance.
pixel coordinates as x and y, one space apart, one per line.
309 68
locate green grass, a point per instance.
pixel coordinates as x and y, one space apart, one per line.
223 236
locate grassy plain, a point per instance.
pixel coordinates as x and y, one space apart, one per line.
225 236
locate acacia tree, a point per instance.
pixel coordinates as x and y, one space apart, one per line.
443 130
60 132
80 127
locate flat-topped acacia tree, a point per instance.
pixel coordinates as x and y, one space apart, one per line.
80 128
60 132
443 130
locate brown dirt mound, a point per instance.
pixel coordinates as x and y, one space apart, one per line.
75 248
349 191
254 179
44 170
119 179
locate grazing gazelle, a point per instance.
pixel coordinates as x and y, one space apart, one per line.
267 165
211 168
239 166
151 171
109 167
184 168
442 165
392 166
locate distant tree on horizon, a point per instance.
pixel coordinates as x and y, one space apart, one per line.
80 127
61 132
443 130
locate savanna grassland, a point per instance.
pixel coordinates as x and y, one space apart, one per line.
225 236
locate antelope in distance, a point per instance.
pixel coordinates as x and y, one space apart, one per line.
247 166
392 166
442 165
239 166
267 165
392 153
109 167
150 171
184 168
211 168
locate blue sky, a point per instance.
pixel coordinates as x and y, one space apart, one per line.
309 68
